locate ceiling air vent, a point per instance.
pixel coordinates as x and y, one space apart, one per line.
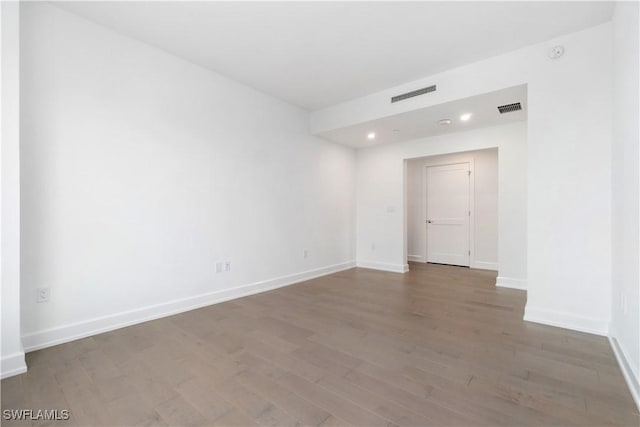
509 108
413 93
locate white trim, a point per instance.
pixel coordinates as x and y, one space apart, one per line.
12 355
472 203
512 283
383 266
566 320
13 364
485 265
416 258
627 369
61 334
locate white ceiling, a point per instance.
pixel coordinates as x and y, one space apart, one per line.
424 122
317 54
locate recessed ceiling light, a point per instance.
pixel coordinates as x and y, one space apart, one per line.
444 122
371 135
396 130
465 117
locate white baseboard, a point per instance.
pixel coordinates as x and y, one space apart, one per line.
627 370
12 364
61 334
485 265
512 283
383 266
416 258
566 320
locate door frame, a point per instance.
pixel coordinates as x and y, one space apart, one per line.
472 205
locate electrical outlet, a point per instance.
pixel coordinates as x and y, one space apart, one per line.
227 266
305 253
43 294
219 267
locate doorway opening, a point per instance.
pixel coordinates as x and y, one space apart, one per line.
452 209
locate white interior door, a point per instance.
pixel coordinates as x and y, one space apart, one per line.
448 214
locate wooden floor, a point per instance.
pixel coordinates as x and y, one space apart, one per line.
437 346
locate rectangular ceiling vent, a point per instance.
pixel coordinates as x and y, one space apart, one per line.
508 108
413 93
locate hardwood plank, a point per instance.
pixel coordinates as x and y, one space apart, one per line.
234 418
304 411
439 345
343 409
203 396
177 411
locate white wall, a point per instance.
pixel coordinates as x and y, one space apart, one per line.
569 186
485 178
12 352
568 166
141 170
625 320
512 212
380 195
